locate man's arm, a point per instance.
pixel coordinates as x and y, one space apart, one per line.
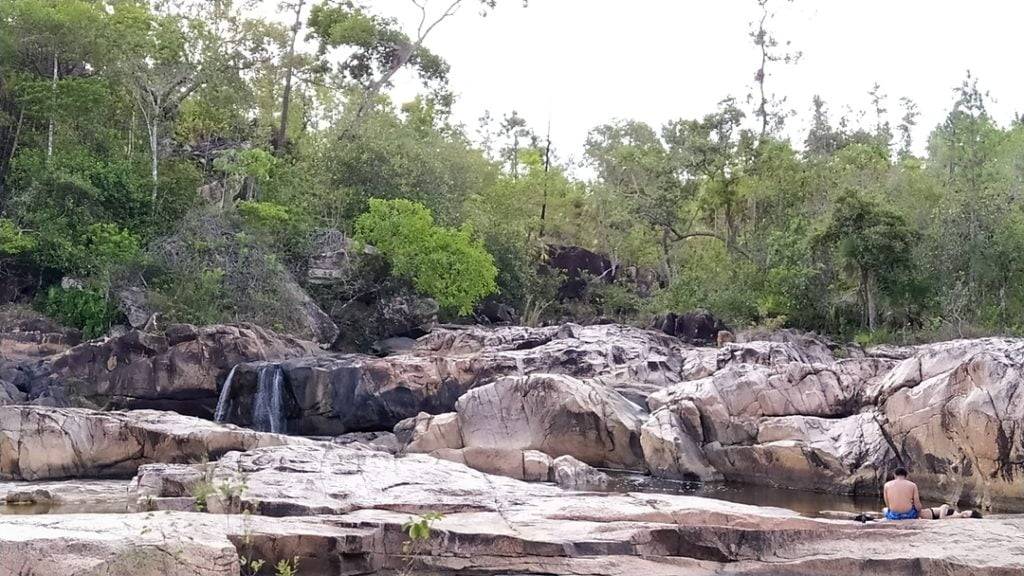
885 494
917 499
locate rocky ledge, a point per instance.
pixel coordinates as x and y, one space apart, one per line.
340 510
790 413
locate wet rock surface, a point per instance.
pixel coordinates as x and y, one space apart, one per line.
353 392
180 369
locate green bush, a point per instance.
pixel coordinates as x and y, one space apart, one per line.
89 311
443 263
12 240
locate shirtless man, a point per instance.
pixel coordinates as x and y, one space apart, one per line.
903 502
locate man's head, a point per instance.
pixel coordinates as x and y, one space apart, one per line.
900 472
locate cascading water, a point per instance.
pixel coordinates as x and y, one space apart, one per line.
224 401
267 404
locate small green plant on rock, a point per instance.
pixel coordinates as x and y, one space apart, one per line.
287 567
201 493
418 530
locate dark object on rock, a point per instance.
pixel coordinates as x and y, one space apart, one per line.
364 323
725 337
580 266
698 327
492 311
392 346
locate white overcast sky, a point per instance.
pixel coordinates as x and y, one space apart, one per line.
580 63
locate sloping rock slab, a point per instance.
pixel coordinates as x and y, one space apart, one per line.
39 443
496 525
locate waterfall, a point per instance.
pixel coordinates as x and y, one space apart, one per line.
268 405
224 402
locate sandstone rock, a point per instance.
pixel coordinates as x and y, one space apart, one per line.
26 335
41 443
569 472
427 433
133 303
496 525
330 395
529 465
376 441
672 448
557 415
955 420
318 325
175 544
29 497
70 495
179 370
578 266
804 452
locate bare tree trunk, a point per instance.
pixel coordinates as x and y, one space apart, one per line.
868 282
154 144
53 103
666 263
131 134
282 133
14 147
547 167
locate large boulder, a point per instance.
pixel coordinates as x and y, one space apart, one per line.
672 446
557 415
785 412
578 267
181 369
954 413
39 443
847 455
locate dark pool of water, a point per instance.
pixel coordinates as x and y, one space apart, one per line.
801 501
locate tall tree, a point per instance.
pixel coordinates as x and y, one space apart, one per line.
768 106
172 53
281 137
875 244
708 152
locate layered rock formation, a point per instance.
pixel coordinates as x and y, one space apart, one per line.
180 369
39 443
340 393
343 509
788 410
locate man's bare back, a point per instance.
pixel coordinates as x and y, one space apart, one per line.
901 495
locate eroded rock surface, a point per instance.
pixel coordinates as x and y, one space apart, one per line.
781 414
180 369
341 393
38 443
496 525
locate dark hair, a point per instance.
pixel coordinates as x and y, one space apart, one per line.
900 471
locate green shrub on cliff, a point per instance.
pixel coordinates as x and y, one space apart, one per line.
89 311
444 263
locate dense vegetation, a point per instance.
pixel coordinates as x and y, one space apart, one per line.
199 151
